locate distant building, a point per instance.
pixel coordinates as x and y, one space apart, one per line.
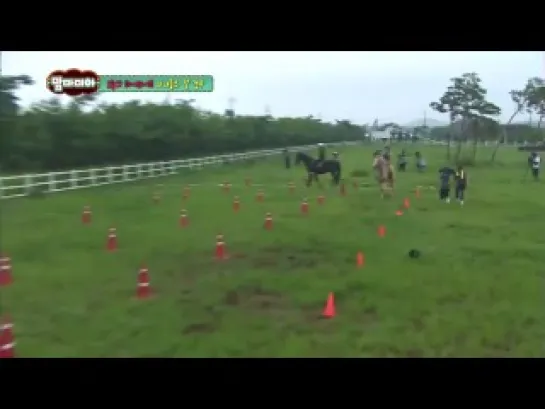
387 131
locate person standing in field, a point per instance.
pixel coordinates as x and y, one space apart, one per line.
287 158
420 162
535 164
402 161
461 184
444 183
384 173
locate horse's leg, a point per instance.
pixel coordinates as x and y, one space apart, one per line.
318 181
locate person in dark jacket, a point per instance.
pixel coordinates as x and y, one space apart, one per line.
534 163
461 184
402 161
445 174
287 158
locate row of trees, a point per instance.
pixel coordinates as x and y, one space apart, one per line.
473 117
86 132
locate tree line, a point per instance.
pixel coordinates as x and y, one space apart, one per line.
86 132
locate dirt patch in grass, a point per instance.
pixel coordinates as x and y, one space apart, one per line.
370 315
199 328
253 297
287 258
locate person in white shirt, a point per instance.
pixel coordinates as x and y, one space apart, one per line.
535 164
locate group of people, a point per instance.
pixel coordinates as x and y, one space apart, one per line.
448 177
402 160
384 172
459 176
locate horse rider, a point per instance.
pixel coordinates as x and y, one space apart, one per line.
321 155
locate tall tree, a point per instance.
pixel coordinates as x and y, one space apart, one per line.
464 100
519 99
535 98
9 109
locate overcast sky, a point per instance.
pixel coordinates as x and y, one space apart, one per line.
359 86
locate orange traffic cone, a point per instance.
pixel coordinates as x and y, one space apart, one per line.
111 242
406 203
5 271
304 206
268 222
156 197
7 341
399 213
291 187
143 287
321 200
360 259
260 196
226 187
86 215
221 253
329 309
381 231
236 204
184 220
248 182
186 193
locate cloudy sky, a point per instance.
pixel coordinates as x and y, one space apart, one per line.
360 86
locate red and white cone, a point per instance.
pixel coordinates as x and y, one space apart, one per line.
221 248
111 241
236 204
143 287
7 340
5 271
184 219
268 225
86 215
304 207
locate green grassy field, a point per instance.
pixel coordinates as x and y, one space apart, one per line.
477 289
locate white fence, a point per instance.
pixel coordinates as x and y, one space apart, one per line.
23 185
